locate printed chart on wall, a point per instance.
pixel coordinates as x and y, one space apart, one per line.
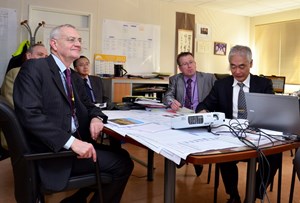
140 43
8 38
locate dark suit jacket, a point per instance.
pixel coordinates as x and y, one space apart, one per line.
97 86
220 97
42 107
98 90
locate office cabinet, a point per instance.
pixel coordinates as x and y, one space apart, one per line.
117 88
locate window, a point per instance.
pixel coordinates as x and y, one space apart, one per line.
277 47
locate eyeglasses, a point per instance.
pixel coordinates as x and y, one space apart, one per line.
187 64
73 40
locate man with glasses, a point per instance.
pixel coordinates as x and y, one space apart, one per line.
178 94
224 97
59 116
188 88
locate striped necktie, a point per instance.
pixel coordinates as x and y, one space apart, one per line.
188 94
242 108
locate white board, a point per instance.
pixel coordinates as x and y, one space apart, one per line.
8 38
140 43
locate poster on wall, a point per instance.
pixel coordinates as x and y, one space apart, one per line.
185 41
140 43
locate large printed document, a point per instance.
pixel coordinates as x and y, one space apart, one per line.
153 130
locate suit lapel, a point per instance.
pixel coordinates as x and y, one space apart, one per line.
56 76
93 84
200 84
181 88
229 93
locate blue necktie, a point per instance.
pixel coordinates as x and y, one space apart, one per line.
89 90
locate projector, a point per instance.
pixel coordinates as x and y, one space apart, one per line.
197 120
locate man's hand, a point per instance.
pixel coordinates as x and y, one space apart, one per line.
96 127
203 111
175 105
84 150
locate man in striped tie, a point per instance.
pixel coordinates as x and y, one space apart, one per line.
227 95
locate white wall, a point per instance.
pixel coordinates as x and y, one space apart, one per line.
231 29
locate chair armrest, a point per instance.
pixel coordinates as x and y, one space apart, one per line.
49 155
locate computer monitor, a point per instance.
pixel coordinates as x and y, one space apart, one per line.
278 83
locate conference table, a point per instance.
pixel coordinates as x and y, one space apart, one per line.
207 157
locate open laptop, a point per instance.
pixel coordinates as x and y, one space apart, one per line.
274 112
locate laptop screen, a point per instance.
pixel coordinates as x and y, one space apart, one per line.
278 83
274 112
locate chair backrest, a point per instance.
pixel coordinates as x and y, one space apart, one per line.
221 75
297 163
25 175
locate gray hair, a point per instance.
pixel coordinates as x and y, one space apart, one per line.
30 50
240 50
55 32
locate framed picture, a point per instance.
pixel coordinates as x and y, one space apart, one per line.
203 32
220 48
185 41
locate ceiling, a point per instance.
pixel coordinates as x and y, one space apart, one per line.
244 7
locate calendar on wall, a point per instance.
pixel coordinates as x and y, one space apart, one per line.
104 64
140 43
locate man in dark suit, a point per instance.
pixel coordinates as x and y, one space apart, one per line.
57 115
93 84
224 98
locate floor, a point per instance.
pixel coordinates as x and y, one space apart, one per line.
189 188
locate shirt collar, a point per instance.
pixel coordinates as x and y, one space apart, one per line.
193 78
59 63
246 82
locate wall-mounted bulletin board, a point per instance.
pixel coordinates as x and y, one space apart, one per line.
8 38
140 43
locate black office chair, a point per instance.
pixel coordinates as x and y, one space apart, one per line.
217 178
296 171
220 76
28 188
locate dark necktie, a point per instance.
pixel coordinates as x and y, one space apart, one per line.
188 94
69 88
242 108
71 97
88 90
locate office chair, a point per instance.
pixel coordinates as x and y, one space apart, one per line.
28 188
221 75
296 171
217 178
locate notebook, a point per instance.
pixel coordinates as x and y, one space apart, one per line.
274 112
